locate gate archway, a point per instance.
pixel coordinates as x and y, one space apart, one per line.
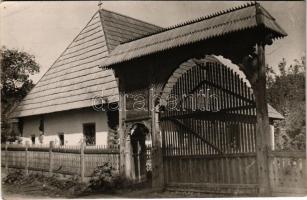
208 126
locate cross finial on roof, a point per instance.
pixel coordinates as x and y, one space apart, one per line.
100 4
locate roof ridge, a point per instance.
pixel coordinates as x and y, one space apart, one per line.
212 15
103 9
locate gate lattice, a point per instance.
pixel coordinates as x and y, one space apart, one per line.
208 129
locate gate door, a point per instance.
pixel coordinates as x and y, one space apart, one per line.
208 129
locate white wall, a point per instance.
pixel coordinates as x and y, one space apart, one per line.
68 122
272 138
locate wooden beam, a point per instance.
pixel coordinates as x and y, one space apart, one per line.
121 129
207 115
237 108
156 151
262 127
177 122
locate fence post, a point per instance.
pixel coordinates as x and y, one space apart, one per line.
51 145
6 159
27 158
271 161
82 167
304 169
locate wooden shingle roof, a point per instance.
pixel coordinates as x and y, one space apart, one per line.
75 77
120 29
246 17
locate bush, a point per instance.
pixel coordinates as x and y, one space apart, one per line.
103 178
106 179
16 177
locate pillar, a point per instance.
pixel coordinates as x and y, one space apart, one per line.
51 146
262 127
156 152
121 130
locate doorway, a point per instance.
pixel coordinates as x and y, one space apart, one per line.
138 133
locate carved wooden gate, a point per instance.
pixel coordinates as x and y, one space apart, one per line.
208 130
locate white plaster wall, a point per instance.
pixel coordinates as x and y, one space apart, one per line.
30 126
70 123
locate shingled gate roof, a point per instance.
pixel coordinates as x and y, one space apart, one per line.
246 17
75 77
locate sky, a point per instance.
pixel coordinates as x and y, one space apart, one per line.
45 29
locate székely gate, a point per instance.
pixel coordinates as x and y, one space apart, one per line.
218 143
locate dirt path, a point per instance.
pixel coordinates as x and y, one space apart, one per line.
27 192
11 192
20 192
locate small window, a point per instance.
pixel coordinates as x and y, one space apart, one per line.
89 132
33 139
61 138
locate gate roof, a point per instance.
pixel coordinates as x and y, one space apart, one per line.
238 19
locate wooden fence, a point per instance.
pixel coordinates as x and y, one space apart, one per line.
288 173
227 173
69 160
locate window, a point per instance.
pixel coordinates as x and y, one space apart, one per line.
61 138
33 139
89 132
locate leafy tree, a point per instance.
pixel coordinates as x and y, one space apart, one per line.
16 68
270 75
286 92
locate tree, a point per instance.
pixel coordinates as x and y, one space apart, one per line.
286 93
16 68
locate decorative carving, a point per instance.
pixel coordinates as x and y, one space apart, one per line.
130 125
249 64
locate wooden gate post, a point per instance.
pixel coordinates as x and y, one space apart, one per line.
51 146
27 158
82 166
128 162
157 160
262 127
121 128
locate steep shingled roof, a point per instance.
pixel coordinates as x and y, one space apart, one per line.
120 29
246 17
75 77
